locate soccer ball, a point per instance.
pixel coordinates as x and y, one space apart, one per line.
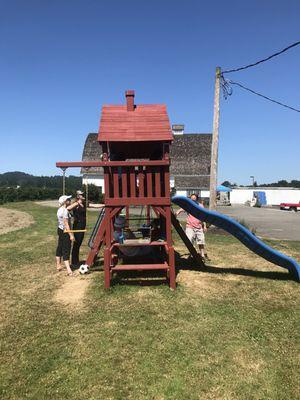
83 269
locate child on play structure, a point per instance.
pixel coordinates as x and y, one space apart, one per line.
64 238
195 228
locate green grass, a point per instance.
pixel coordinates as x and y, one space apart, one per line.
231 332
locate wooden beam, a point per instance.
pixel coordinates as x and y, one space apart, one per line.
70 164
138 201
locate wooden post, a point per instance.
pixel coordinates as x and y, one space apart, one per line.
215 144
107 251
64 181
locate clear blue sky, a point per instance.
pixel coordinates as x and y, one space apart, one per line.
61 60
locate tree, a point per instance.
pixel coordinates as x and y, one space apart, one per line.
227 184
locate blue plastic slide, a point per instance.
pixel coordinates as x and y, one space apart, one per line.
241 233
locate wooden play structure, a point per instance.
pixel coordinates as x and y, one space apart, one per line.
135 142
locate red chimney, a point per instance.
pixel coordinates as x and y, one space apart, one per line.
130 100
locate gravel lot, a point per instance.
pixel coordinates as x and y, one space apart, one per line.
268 222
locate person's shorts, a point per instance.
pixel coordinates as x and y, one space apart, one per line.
195 235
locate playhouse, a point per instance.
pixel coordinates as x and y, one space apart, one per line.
136 143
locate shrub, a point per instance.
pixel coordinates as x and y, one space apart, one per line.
24 193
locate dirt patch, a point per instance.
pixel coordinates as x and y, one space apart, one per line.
12 220
248 363
73 290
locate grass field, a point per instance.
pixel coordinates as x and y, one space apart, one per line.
230 332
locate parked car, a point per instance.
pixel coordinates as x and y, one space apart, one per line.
290 206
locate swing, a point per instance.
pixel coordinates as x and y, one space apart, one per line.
142 228
87 199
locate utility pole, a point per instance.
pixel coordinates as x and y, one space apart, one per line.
215 144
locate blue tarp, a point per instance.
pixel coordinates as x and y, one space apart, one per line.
222 188
261 198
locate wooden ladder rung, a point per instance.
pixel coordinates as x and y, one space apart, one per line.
140 267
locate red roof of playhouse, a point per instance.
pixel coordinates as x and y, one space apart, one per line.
130 122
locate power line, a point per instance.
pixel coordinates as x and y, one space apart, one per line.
227 91
263 60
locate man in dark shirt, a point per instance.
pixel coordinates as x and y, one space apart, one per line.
79 214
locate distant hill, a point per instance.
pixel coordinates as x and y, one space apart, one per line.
19 186
18 178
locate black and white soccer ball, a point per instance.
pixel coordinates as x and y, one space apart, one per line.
84 269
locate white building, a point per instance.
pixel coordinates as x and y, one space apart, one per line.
274 195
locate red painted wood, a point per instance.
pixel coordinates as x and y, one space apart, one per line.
106 184
137 201
71 164
124 183
116 182
127 216
134 123
107 252
97 243
140 267
167 192
156 211
149 182
172 272
168 224
149 127
141 179
106 268
138 244
132 182
148 214
161 211
130 100
157 182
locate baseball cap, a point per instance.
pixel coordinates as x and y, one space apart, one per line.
62 199
79 193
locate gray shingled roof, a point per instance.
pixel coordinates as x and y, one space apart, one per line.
190 159
92 151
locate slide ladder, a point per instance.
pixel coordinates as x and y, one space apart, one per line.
96 228
241 233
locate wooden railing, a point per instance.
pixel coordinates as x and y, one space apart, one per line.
137 182
132 182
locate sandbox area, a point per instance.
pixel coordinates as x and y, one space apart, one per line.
12 220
